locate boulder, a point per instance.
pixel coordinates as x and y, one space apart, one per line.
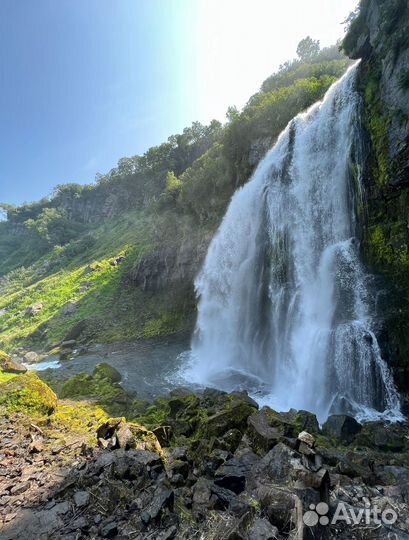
277 504
302 421
341 427
276 465
28 394
384 437
9 365
306 438
233 473
261 435
163 498
202 492
230 440
105 371
234 415
32 357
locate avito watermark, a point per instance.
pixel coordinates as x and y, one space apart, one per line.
369 515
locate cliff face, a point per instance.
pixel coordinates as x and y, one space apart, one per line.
379 36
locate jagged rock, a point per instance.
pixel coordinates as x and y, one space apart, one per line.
261 529
384 437
224 499
303 421
231 440
316 480
277 464
232 474
341 427
163 498
262 436
125 437
81 498
202 492
355 465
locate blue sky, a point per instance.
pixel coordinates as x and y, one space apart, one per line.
86 82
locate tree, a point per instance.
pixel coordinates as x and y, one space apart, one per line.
173 184
308 49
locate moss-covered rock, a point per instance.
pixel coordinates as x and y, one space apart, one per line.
27 394
105 371
102 386
384 437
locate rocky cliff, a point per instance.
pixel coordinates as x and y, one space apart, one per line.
379 36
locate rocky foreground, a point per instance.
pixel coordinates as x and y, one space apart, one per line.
211 466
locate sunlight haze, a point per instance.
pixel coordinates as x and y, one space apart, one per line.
86 83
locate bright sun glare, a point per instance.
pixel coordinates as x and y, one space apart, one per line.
238 45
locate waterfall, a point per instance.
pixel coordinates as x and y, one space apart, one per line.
284 305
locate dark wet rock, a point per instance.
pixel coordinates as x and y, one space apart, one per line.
232 474
384 437
341 427
356 465
278 504
276 465
109 530
162 499
261 435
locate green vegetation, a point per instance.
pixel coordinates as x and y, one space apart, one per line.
377 123
4 377
102 387
63 252
27 394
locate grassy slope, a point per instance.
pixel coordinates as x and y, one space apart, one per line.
115 310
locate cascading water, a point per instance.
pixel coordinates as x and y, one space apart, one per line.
284 308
